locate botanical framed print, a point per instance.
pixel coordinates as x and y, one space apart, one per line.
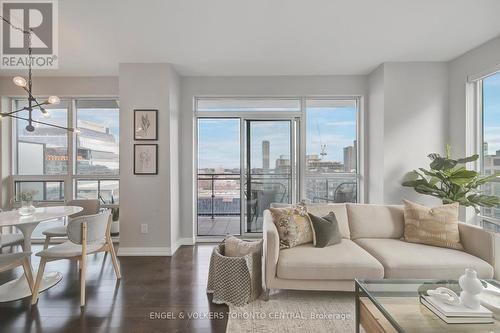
145 159
145 124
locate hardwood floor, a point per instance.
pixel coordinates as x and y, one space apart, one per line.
151 287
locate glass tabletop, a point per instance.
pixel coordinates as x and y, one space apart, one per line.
399 302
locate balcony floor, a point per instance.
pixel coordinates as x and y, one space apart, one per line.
219 226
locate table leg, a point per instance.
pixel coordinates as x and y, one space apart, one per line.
357 306
19 288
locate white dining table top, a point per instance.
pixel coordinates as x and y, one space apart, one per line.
13 218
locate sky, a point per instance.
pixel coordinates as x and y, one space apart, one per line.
491 112
219 147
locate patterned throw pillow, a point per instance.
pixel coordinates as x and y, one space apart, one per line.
294 227
436 226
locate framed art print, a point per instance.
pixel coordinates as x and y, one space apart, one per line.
145 159
145 124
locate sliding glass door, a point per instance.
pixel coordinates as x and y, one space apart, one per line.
219 177
242 158
268 170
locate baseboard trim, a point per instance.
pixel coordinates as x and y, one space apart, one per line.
144 251
180 242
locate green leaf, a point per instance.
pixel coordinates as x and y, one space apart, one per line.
486 179
484 200
440 163
468 159
463 177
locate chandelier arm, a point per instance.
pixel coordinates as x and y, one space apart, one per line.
12 112
42 123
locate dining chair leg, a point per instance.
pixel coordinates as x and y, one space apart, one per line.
116 266
82 280
46 243
28 274
39 276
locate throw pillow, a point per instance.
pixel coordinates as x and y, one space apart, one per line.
235 247
325 230
436 226
294 227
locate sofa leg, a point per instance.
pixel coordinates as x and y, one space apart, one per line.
266 294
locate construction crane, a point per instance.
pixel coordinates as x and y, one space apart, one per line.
323 147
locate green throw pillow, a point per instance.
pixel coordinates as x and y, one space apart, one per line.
325 230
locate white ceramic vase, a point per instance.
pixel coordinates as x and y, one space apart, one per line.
471 288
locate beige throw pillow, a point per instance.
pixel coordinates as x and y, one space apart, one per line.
235 247
436 226
294 227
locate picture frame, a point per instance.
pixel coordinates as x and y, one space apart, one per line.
146 124
145 159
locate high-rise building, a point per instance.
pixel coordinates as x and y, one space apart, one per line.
265 155
350 157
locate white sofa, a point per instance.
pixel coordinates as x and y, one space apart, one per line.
371 248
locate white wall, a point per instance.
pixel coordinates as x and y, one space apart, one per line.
375 130
148 199
245 86
408 108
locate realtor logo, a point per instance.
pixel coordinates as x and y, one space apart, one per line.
39 16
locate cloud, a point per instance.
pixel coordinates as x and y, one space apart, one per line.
341 123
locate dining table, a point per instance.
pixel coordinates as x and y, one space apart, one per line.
18 288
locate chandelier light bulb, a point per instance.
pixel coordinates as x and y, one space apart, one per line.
20 81
53 100
45 112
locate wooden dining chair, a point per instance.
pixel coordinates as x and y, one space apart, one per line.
12 260
90 207
86 234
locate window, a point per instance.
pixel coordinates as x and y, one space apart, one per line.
256 151
331 150
44 151
58 165
490 154
247 105
42 190
98 141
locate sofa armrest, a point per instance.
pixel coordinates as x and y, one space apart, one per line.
482 244
271 247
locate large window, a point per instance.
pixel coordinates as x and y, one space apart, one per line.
331 150
58 165
256 151
490 154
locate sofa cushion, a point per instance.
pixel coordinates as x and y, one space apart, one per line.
375 221
418 261
342 261
340 213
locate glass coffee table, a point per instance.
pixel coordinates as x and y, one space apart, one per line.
392 305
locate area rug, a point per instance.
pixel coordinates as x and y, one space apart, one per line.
295 311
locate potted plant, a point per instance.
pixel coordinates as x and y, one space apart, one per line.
26 198
449 180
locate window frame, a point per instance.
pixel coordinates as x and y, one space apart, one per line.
71 177
475 133
300 156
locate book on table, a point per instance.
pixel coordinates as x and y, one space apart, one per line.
457 314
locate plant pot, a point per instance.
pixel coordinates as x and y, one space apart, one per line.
27 208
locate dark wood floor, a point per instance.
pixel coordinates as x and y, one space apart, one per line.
161 286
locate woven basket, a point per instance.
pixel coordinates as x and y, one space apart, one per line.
234 280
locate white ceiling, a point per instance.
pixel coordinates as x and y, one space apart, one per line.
268 37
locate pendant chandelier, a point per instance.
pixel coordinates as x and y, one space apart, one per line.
27 85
